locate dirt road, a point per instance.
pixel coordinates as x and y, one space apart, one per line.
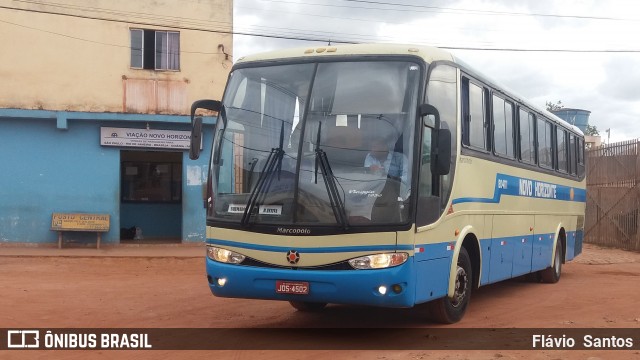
600 289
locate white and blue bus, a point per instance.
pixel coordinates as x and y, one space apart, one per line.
386 175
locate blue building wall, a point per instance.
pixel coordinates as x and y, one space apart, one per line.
53 162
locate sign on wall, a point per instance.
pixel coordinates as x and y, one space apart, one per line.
158 139
80 222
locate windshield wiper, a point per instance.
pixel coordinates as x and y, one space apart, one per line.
337 205
259 192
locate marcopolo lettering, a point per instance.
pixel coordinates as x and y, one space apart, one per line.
292 231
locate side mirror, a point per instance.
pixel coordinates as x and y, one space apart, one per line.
441 140
196 125
442 153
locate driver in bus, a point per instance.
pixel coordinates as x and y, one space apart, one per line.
381 161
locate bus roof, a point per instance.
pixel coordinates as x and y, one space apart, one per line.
428 53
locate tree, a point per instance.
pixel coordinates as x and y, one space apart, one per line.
554 107
591 130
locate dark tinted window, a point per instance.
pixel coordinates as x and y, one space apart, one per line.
503 127
475 133
527 137
561 146
545 148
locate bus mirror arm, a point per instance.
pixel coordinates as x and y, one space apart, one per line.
213 105
426 110
196 125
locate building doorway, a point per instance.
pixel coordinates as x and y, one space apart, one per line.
150 196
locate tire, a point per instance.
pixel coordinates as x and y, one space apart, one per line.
450 310
306 306
552 274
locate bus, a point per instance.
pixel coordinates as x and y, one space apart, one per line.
384 175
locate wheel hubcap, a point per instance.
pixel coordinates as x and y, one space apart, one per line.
461 287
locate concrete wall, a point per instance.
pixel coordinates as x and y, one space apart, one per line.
47 169
78 62
65 69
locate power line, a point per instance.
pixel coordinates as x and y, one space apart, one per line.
136 22
97 42
488 12
124 13
301 37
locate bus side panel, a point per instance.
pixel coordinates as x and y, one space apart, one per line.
544 233
578 245
522 255
571 245
501 259
579 236
432 279
485 248
511 248
433 262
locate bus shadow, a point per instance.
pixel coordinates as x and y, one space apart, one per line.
352 316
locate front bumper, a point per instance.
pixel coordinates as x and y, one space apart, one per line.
326 286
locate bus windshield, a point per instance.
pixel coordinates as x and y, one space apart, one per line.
316 144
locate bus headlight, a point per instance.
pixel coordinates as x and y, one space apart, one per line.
224 255
379 261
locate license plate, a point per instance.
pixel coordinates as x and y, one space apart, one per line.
292 287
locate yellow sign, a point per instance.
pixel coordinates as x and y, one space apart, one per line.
79 222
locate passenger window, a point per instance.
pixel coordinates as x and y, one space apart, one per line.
503 127
561 145
580 157
573 161
475 131
545 148
527 137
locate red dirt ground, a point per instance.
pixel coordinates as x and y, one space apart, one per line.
599 289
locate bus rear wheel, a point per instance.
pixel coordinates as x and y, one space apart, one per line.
306 306
450 310
552 274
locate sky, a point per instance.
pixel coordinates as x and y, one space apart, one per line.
591 59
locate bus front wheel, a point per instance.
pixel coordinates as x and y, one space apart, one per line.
450 310
306 306
552 275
